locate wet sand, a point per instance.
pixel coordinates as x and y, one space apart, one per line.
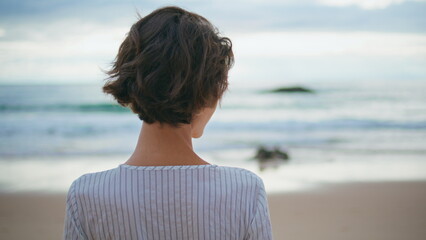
389 210
383 210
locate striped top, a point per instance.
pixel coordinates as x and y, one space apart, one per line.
168 202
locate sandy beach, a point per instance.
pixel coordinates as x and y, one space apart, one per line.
380 210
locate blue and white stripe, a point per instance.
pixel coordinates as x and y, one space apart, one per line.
168 202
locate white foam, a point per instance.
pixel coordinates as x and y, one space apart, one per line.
56 175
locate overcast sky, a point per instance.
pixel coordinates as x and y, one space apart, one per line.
57 41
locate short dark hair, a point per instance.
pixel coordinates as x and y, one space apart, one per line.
171 64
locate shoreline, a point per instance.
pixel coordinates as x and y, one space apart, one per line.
354 210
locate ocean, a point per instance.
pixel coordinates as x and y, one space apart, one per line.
343 131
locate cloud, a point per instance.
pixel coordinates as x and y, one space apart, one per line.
295 56
77 58
53 54
364 4
68 41
229 16
405 17
303 43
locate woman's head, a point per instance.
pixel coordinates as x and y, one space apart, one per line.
171 65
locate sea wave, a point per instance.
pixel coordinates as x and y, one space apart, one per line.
341 123
95 107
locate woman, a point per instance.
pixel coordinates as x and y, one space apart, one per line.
172 71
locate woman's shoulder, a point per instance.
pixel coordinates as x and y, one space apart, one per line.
233 175
242 172
93 178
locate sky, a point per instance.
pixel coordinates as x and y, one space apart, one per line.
277 41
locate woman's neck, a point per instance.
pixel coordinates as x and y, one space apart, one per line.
163 146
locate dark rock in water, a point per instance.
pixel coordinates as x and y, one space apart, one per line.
263 154
270 157
280 154
292 90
